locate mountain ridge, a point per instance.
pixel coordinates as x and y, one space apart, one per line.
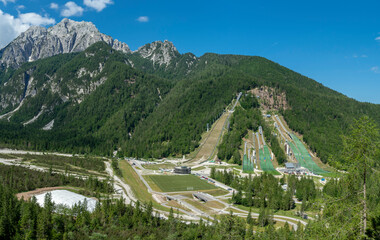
65 37
69 36
156 102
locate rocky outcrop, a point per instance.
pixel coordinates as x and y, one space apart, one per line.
271 98
159 52
65 37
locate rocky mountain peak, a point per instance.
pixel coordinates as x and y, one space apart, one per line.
35 31
65 37
67 27
159 52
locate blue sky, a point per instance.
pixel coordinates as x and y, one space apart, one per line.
333 42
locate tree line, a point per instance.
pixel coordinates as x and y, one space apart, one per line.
21 179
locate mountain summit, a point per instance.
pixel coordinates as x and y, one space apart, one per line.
159 52
65 37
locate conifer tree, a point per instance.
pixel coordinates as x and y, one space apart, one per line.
361 150
249 217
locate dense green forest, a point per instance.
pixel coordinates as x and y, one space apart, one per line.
111 219
115 220
21 179
241 121
102 121
246 117
156 111
265 191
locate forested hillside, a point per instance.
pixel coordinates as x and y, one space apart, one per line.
320 114
150 110
117 98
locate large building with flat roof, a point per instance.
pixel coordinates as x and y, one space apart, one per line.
182 170
292 166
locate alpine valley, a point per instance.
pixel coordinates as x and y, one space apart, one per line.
98 141
70 88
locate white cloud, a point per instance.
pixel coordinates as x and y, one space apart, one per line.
375 69
143 19
5 1
361 56
377 39
71 9
11 27
98 5
54 6
19 7
35 19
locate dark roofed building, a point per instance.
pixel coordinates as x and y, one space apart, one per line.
201 196
291 166
182 170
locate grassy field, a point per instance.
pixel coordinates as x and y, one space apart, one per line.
175 204
151 183
214 204
211 139
216 192
199 205
7 156
158 166
198 168
180 183
137 186
61 162
234 210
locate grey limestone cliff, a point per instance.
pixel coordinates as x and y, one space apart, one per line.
159 52
65 37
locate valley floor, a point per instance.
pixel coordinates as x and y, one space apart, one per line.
137 185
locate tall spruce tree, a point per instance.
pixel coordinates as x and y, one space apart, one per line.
361 150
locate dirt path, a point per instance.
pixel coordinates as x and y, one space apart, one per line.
13 151
124 189
17 162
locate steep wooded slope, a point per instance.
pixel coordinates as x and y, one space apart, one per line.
150 108
93 98
319 113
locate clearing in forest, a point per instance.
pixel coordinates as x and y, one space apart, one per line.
207 147
266 161
304 157
299 150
